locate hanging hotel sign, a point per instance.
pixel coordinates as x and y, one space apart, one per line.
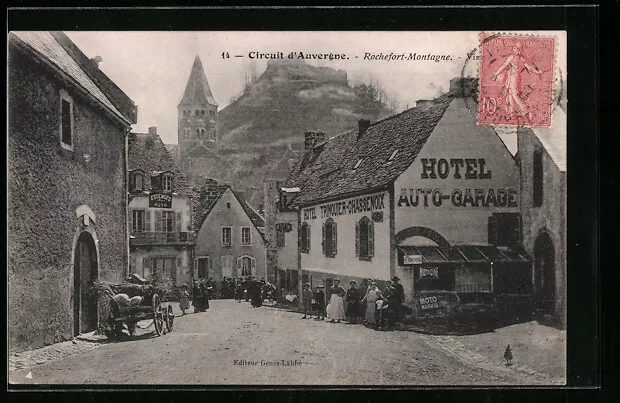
412 259
160 200
350 206
284 227
458 168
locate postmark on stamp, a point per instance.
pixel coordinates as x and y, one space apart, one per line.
516 80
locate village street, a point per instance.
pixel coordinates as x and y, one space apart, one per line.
207 348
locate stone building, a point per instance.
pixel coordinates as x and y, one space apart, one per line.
160 208
198 139
67 187
230 235
542 156
426 195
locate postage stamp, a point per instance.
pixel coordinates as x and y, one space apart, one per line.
516 80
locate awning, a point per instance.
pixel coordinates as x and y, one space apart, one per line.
460 254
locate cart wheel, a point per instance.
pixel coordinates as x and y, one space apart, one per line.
158 315
169 315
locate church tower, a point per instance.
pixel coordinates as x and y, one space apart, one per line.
197 114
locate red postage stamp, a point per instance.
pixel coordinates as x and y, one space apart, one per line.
516 80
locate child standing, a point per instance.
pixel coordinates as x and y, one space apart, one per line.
184 298
306 297
319 302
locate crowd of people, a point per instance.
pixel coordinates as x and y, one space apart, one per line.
365 303
246 288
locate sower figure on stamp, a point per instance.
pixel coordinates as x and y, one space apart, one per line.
509 75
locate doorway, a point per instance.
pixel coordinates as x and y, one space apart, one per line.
544 271
85 271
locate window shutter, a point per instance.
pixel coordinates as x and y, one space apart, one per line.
334 239
179 221
133 263
132 182
146 262
371 239
209 262
357 238
239 273
308 237
253 263
323 245
492 227
147 221
158 226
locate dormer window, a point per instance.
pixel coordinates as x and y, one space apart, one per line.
138 181
357 164
166 183
393 155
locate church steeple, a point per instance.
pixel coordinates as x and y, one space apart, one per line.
197 114
197 90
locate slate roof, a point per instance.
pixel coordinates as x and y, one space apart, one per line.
327 170
207 198
148 153
45 46
197 90
120 100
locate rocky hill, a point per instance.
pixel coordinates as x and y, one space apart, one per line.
288 99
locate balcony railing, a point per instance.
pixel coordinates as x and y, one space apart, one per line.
152 238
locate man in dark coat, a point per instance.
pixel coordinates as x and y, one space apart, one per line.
395 300
205 295
353 298
254 290
319 302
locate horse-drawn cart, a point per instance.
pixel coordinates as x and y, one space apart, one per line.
124 306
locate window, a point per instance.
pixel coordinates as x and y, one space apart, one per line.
137 222
226 236
538 178
280 237
505 229
246 266
167 221
186 132
305 237
66 121
200 132
364 239
167 183
330 238
212 134
159 266
138 181
245 236
203 264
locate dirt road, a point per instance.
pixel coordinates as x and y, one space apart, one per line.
235 344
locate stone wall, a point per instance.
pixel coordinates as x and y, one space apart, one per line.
46 184
550 217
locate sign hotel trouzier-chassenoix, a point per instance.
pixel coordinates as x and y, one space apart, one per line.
459 168
160 200
351 206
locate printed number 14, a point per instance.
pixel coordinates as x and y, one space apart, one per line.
225 55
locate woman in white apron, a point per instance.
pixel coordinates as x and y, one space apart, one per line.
370 299
335 308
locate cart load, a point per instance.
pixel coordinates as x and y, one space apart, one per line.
122 306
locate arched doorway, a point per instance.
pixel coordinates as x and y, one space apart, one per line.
544 271
85 270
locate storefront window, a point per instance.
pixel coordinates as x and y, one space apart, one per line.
432 278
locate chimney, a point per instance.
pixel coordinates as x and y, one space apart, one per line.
96 60
464 86
153 131
363 125
423 104
240 195
309 140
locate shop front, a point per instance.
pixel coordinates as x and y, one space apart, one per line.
450 280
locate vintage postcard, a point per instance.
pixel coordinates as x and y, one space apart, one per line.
287 208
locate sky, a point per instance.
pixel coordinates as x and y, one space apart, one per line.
152 68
